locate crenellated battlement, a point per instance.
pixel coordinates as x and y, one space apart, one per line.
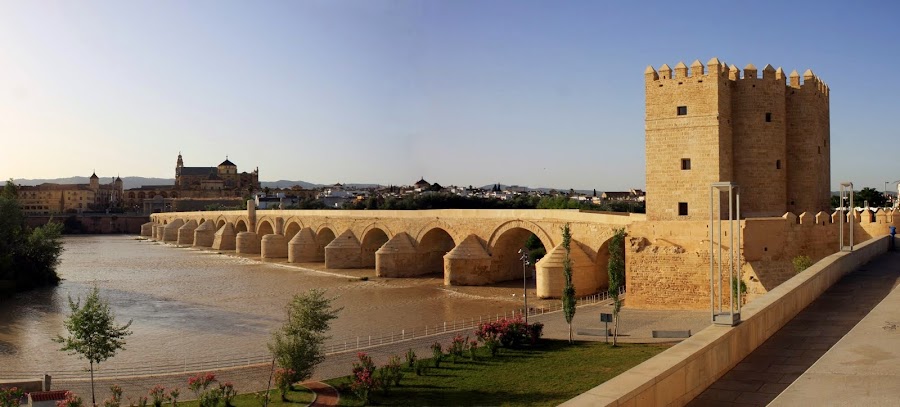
714 68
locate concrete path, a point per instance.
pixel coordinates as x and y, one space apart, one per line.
802 342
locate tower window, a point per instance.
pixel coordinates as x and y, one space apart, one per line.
682 110
682 209
768 117
777 164
685 163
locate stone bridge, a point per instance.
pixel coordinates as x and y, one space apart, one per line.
470 247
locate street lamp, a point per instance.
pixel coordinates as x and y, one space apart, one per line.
525 263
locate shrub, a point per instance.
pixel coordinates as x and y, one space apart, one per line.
115 399
411 358
228 393
283 380
11 397
173 395
437 354
142 401
158 395
801 263
536 331
390 374
421 368
509 333
363 377
200 386
457 347
473 347
71 400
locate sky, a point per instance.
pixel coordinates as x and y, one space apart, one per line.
536 93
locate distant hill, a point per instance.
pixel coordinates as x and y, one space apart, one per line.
136 182
288 184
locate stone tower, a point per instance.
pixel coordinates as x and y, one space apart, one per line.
707 123
95 182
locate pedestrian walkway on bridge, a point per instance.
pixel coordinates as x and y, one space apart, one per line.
840 350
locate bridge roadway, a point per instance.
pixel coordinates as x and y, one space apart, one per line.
470 247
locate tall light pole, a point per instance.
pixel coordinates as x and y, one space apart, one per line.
524 258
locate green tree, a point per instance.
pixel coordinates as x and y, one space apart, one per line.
28 257
568 294
875 198
93 333
616 271
297 345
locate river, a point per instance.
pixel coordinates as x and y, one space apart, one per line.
192 305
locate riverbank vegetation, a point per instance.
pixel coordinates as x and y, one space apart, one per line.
547 373
28 256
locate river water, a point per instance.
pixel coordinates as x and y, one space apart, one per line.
195 305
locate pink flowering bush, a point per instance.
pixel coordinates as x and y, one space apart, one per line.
508 333
364 380
173 395
71 400
200 385
11 397
158 395
437 353
457 347
115 400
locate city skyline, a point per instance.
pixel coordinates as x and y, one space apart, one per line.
461 93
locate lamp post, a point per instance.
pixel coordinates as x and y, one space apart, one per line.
524 258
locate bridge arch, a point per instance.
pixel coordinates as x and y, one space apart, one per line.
505 243
324 236
521 224
432 246
372 240
439 224
220 222
240 226
264 228
292 227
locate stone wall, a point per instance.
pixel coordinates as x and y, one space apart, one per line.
668 262
680 373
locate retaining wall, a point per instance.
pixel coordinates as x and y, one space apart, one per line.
677 375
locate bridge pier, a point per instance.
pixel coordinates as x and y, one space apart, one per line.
147 229
303 248
468 263
224 238
398 258
549 277
205 234
186 233
170 232
274 246
344 252
247 243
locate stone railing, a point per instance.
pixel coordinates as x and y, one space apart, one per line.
677 375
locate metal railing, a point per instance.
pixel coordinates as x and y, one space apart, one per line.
332 346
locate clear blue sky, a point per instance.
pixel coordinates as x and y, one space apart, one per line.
538 93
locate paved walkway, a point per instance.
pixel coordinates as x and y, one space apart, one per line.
325 394
802 342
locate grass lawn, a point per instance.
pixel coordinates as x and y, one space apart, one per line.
548 374
298 397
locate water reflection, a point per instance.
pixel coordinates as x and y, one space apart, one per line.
195 305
